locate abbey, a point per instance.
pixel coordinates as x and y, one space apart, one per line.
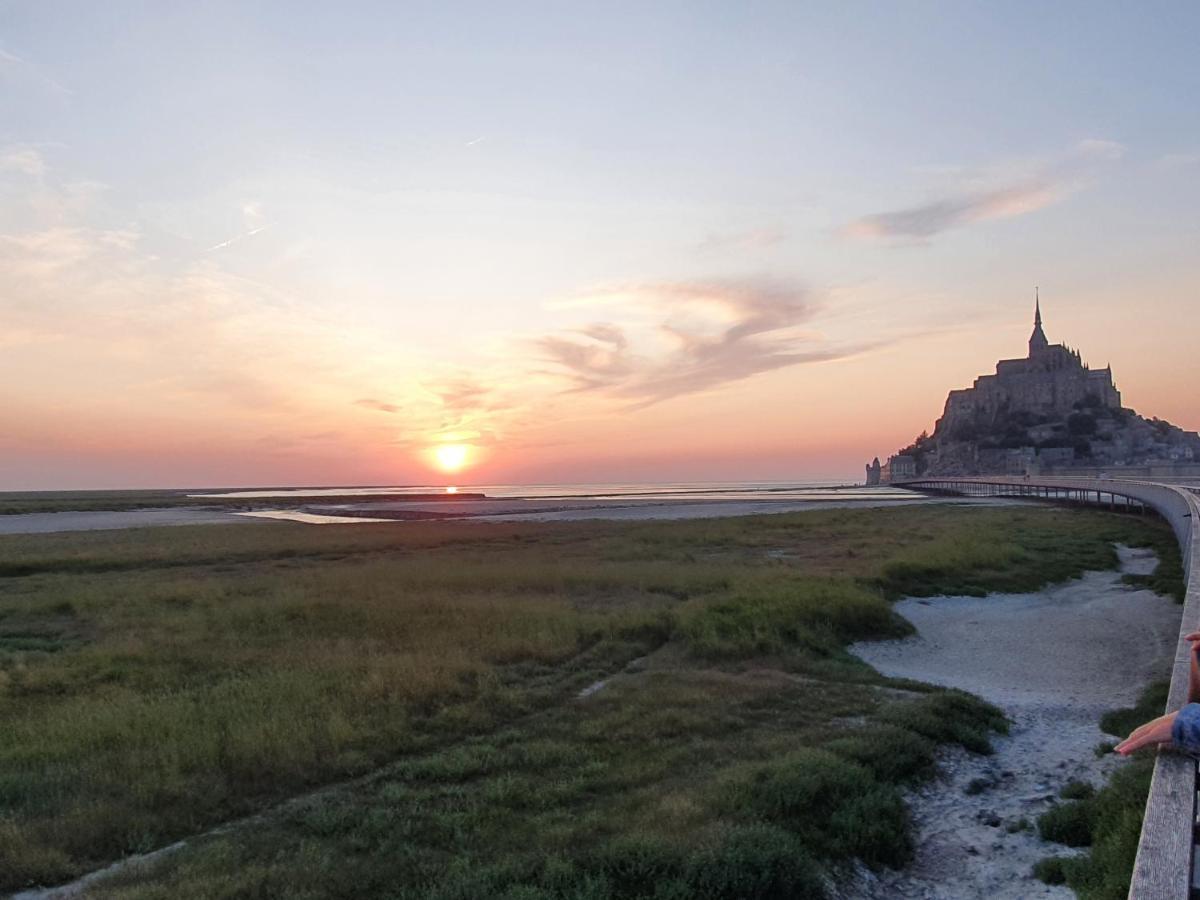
1051 382
1045 412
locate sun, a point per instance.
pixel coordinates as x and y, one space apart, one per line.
451 457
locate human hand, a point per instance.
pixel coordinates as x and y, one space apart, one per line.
1157 731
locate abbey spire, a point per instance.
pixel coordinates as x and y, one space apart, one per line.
1037 340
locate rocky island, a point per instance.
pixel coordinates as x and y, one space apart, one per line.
1046 413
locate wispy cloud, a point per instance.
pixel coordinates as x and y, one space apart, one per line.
937 216
22 159
991 195
754 239
95 295
460 393
1178 160
379 405
708 334
16 68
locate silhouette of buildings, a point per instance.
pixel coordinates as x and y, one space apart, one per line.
1046 411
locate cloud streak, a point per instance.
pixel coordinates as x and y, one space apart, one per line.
20 69
756 239
932 218
962 206
708 334
378 405
23 160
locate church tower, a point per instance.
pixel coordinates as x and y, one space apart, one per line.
1037 340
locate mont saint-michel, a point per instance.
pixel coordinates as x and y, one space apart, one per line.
1046 412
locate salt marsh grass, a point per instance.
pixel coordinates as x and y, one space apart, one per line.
156 683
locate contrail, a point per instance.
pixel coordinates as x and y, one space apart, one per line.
236 238
473 143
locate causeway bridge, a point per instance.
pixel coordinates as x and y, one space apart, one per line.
1166 859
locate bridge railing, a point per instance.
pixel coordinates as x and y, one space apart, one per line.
1164 869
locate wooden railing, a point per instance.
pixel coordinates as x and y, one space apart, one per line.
1164 866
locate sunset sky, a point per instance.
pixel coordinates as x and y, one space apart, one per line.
314 243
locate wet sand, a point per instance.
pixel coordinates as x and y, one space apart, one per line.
1054 661
46 523
533 510
626 510
631 509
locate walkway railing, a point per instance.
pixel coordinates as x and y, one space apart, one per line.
1164 869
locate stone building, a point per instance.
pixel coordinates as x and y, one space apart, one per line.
898 467
873 472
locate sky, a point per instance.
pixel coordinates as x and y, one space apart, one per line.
307 243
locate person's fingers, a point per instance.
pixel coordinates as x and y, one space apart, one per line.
1133 743
1138 738
1192 636
1155 732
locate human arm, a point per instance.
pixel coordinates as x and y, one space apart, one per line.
1180 729
1194 669
1157 731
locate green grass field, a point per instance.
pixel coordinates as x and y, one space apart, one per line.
398 705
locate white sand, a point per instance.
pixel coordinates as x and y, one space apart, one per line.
1055 661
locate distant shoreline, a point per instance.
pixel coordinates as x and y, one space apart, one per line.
467 510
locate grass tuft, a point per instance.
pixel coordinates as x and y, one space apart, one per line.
1150 705
1071 824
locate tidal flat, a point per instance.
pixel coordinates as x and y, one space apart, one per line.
524 710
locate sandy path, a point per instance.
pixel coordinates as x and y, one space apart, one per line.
1055 661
